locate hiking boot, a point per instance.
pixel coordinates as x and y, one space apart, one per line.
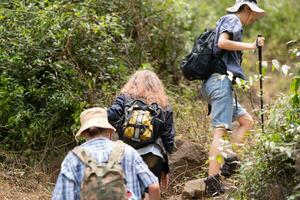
213 186
230 166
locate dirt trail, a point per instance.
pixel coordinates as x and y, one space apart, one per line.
24 184
9 192
188 162
12 192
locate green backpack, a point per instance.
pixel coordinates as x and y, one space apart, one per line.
103 182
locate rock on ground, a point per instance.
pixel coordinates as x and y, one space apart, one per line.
194 189
187 161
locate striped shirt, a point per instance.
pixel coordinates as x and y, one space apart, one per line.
138 176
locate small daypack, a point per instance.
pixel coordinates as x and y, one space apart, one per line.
105 181
142 123
201 62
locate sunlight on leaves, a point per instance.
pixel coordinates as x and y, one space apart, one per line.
285 69
276 64
146 66
250 81
264 64
298 129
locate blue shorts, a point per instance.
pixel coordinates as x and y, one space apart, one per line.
217 91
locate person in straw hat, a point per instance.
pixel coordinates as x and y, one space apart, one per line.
217 90
97 131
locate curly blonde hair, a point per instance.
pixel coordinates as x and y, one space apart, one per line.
145 84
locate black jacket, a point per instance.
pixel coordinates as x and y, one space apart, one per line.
116 111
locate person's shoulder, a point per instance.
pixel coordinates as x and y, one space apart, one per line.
124 98
130 152
129 149
230 18
69 164
230 23
70 159
121 96
120 99
168 109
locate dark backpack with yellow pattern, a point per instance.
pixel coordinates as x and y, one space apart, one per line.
142 123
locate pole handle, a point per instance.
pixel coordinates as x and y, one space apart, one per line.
259 48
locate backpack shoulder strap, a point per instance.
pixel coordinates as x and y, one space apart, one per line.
116 154
81 153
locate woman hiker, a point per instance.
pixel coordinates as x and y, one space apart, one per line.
217 90
145 86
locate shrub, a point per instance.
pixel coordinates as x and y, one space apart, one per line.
270 166
58 57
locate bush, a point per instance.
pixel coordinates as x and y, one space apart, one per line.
58 57
269 170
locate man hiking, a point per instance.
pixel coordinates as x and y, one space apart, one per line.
217 89
99 149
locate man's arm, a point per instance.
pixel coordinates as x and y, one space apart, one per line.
230 45
154 191
146 178
168 133
116 111
64 189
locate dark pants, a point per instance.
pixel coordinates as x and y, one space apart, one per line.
155 164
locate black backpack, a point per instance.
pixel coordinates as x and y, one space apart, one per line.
201 62
142 124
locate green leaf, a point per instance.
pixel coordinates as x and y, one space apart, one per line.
264 70
220 159
295 85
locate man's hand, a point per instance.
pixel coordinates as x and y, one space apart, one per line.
164 181
259 42
154 192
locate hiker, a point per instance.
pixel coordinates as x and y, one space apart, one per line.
97 131
144 89
218 90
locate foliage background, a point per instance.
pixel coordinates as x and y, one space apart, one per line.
59 57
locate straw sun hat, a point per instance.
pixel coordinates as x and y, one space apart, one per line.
253 5
93 117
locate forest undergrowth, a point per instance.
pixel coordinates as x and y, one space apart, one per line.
59 57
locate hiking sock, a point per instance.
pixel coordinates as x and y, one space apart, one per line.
213 186
230 166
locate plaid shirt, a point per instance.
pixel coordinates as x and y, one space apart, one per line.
138 176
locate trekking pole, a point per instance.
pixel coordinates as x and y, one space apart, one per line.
261 87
